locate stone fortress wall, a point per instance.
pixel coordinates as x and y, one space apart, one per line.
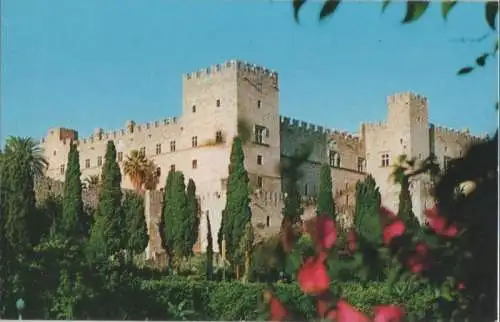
218 98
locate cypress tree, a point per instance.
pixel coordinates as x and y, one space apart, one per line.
326 204
247 249
72 221
366 218
237 210
107 236
166 239
405 207
193 222
137 230
210 250
175 217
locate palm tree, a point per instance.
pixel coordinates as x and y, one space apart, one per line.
92 181
141 171
27 151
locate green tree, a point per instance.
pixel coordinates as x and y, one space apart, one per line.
237 210
106 237
192 219
246 249
165 232
366 213
175 217
210 250
405 207
326 205
137 230
72 219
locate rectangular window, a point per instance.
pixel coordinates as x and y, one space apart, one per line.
305 190
87 163
361 164
217 103
259 104
99 161
194 164
172 167
334 159
260 134
119 156
194 141
158 172
385 160
259 182
193 108
142 151
172 146
158 149
259 159
218 137
62 169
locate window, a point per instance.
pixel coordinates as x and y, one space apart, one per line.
385 160
259 104
194 164
142 151
193 108
194 141
158 172
334 159
259 159
62 169
268 221
217 103
119 156
259 182
54 153
99 161
305 189
260 134
361 164
218 137
87 163
172 146
172 167
158 149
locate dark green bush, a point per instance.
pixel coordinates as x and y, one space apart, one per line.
238 301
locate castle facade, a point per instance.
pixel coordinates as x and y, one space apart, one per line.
216 102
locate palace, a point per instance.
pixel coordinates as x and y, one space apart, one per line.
218 99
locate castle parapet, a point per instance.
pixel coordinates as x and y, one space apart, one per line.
236 65
450 132
403 97
128 131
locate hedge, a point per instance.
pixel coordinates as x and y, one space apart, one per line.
234 301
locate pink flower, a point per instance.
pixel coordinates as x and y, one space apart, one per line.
313 276
421 249
388 313
440 224
418 262
347 313
323 231
461 286
393 230
278 311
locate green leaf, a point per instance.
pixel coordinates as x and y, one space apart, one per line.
446 7
481 60
465 70
293 262
329 8
385 4
297 4
491 12
415 10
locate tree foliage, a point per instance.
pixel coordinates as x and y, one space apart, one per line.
72 223
209 250
106 237
192 219
137 231
237 211
326 205
366 218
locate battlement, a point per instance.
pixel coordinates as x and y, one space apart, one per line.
234 65
312 129
406 97
449 132
130 129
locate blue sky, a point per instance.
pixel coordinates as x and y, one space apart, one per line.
90 63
